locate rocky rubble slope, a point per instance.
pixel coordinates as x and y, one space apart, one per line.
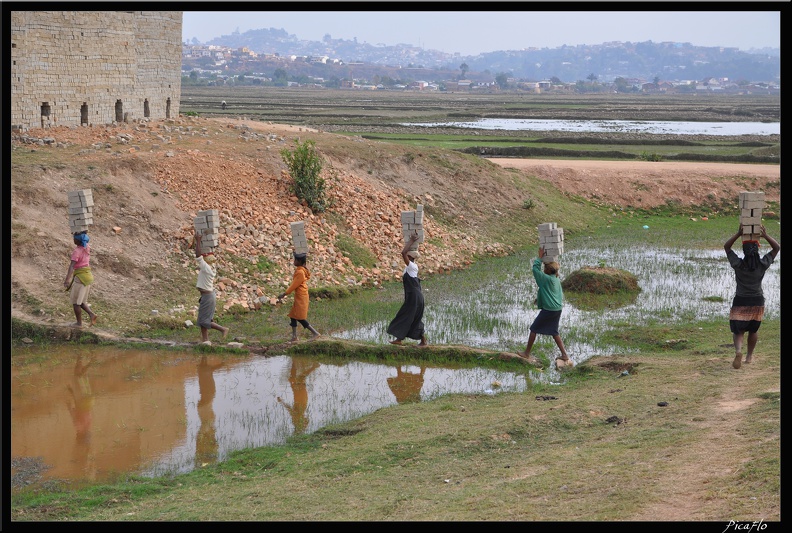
150 179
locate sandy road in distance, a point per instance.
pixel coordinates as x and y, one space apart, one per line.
651 184
745 169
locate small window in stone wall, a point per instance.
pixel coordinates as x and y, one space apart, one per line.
84 113
167 109
45 114
146 110
119 111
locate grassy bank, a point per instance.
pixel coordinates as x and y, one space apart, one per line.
653 436
670 433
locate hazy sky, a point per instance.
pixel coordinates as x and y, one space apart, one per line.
473 32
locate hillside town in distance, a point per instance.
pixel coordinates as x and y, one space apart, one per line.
641 68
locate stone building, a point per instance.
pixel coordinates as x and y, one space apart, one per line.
85 68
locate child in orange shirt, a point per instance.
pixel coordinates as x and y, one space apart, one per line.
299 286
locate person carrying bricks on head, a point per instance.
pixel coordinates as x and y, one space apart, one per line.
205 284
549 300
747 308
79 278
408 321
299 286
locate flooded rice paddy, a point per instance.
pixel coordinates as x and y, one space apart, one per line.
677 285
91 413
614 126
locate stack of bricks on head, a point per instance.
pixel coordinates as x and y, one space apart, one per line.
299 239
412 221
551 238
207 225
751 205
80 210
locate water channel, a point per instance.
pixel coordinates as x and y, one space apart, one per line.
90 413
614 126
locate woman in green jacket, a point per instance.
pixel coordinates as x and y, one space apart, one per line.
549 300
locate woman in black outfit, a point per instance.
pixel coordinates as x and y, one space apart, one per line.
409 320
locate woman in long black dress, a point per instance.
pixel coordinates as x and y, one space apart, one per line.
409 320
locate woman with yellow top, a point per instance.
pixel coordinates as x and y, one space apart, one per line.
79 278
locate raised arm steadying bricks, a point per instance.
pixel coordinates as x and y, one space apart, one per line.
408 321
205 284
550 301
747 308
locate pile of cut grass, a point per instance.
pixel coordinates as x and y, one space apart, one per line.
600 280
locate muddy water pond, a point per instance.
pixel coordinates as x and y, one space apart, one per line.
91 413
88 414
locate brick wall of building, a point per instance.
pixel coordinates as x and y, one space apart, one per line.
71 68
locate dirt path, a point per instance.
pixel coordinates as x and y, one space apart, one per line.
651 184
684 490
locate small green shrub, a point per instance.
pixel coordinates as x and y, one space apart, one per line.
305 165
236 310
646 156
356 252
264 264
528 204
332 293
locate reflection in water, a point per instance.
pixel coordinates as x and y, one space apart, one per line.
122 407
80 405
300 369
206 442
406 386
153 413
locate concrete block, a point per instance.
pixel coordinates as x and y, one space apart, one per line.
82 210
751 221
751 196
551 238
753 204
83 193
